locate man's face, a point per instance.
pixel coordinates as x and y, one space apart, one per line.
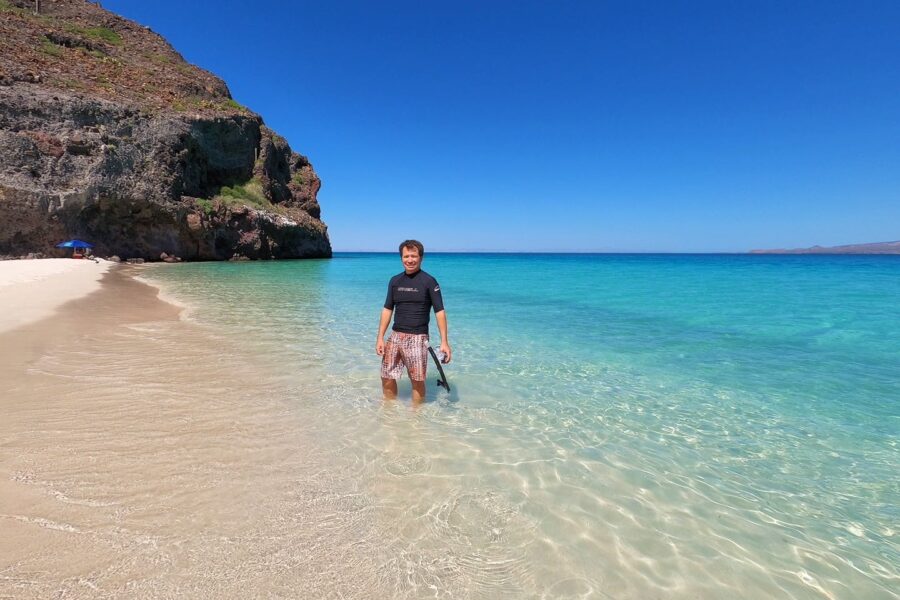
411 260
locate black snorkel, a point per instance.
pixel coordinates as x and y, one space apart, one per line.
442 382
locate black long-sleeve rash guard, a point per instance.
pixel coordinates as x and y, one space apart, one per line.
411 297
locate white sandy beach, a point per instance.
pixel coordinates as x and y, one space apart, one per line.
31 290
141 460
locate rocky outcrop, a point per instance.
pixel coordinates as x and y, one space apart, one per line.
145 155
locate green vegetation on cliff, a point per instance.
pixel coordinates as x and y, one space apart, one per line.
249 194
48 47
98 33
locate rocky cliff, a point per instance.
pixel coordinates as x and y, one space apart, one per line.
108 135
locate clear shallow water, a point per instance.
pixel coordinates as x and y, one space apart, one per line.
624 426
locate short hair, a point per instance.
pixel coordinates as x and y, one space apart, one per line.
413 244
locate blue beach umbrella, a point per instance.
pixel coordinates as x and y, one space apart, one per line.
75 244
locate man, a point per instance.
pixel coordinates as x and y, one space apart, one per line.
412 294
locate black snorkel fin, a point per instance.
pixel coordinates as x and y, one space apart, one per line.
442 382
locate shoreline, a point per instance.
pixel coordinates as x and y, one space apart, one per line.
141 459
59 305
33 290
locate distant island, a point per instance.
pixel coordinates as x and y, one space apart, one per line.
875 248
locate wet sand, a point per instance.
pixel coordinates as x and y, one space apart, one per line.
31 290
144 456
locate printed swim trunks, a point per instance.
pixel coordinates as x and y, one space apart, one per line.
410 349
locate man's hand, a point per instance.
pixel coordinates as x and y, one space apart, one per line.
386 314
441 318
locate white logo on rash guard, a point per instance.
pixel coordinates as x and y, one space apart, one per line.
437 288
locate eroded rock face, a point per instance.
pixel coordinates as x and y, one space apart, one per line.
139 176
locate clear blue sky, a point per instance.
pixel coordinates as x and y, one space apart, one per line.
571 126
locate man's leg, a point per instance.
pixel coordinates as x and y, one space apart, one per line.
417 367
390 369
389 388
418 390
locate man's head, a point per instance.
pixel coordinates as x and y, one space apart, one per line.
411 253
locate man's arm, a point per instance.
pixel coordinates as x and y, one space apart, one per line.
441 318
386 314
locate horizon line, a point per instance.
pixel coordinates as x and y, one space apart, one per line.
624 253
489 251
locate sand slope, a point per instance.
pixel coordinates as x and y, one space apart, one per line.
31 290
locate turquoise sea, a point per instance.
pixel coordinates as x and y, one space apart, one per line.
620 426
